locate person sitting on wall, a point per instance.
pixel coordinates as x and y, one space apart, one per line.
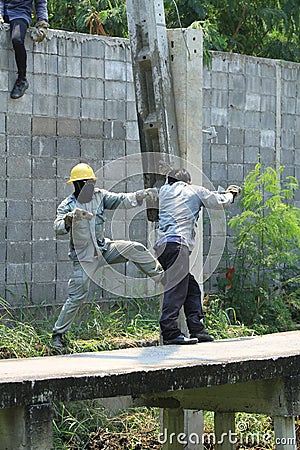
18 14
81 215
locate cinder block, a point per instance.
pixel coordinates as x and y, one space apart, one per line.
69 66
268 103
287 157
218 172
44 209
92 109
44 105
267 138
92 128
115 110
43 273
18 210
252 102
219 116
252 137
69 87
268 69
43 230
69 48
43 189
3 230
132 147
251 155
43 167
235 173
44 126
18 167
18 273
253 84
92 88
288 122
131 113
93 68
93 48
19 190
115 51
92 149
115 70
68 147
288 105
219 63
287 139
252 119
114 149
45 84
236 136
43 146
237 82
61 254
268 120
69 107
18 231
219 153
252 67
44 251
4 101
46 65
132 132
18 125
43 294
268 86
267 156
235 154
68 127
18 252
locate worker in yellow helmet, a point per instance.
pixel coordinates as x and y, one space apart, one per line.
82 215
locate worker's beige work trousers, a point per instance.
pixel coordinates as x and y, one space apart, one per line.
116 252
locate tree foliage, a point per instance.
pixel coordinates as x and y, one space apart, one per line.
255 27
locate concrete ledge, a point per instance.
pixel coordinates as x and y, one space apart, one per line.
140 371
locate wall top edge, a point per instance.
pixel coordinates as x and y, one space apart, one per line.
269 61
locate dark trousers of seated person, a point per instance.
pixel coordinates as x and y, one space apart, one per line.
181 289
18 28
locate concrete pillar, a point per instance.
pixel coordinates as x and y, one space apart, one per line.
224 431
153 89
26 428
186 63
285 433
173 429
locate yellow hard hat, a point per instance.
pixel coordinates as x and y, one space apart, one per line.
81 171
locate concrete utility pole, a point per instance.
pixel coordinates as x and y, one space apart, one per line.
153 88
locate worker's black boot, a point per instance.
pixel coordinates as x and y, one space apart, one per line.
57 342
19 88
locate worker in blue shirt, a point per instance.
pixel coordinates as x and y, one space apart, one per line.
18 13
180 203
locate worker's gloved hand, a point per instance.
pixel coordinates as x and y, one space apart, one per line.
41 31
1 23
76 215
234 190
150 193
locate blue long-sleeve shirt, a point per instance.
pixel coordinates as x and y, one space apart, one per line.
179 207
23 9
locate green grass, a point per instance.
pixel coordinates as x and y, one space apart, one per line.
87 424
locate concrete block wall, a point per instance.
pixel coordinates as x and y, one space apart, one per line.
80 105
254 104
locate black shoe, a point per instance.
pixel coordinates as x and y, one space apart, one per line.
19 88
203 336
57 342
180 340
